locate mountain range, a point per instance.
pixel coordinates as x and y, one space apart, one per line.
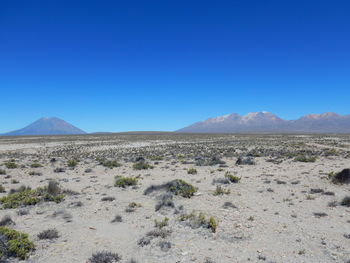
47 126
255 122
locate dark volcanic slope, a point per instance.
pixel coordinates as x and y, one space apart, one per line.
267 122
47 126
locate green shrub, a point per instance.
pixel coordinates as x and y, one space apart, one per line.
110 163
142 166
180 187
35 165
17 244
221 191
2 172
156 158
192 171
212 224
26 196
11 165
124 181
2 189
200 220
304 159
23 198
161 224
232 178
72 163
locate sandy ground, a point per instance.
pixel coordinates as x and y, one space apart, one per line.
273 218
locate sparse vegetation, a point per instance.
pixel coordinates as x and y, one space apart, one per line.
161 224
48 234
221 191
305 159
200 220
25 196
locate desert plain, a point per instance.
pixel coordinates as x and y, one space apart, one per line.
174 198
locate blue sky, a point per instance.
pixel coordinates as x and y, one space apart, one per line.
162 65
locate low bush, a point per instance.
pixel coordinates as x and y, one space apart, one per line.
221 191
232 178
345 201
123 182
10 165
72 163
14 244
192 171
161 224
104 257
142 166
35 165
200 220
177 187
48 234
26 196
305 159
110 163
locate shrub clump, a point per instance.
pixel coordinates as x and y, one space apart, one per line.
2 172
305 159
345 201
104 257
161 224
48 234
221 191
342 177
123 182
14 244
6 221
180 187
142 165
192 171
22 198
72 163
177 187
26 196
11 165
200 220
232 178
110 163
35 165
2 189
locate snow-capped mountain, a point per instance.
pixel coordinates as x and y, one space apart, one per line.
267 122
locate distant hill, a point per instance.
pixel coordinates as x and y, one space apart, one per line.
328 122
47 126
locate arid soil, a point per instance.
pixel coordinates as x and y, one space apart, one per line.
255 198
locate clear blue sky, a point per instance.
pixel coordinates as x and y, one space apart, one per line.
161 65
